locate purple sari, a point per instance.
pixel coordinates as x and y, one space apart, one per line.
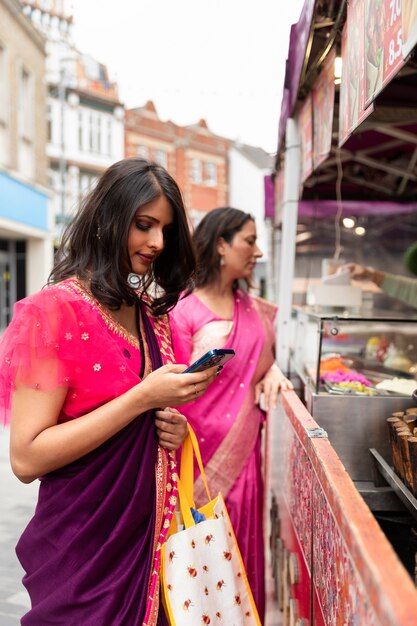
87 552
91 551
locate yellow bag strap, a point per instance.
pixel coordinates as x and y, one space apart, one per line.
190 448
185 504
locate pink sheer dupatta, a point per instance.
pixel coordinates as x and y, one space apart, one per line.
226 420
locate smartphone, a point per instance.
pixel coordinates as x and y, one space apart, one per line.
209 359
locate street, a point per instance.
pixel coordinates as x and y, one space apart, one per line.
17 504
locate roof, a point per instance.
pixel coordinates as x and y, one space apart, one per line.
257 156
92 80
378 161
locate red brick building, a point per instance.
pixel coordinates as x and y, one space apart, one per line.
196 158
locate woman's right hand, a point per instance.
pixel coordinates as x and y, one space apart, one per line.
360 272
168 386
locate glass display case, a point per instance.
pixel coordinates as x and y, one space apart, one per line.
355 371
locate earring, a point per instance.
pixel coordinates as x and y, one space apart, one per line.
222 261
133 281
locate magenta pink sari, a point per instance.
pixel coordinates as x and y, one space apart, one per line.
226 420
91 551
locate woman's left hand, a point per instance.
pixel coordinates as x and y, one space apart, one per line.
273 381
171 428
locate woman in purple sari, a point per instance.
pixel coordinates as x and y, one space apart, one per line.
228 419
87 374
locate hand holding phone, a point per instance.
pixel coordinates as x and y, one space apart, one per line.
210 359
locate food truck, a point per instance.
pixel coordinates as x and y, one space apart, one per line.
341 460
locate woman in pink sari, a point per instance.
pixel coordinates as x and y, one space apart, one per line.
86 371
228 419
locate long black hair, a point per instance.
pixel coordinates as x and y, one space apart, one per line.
94 245
223 223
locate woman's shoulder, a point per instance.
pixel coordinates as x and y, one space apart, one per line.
56 308
186 303
190 313
50 297
264 307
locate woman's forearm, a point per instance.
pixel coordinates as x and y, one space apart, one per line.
44 446
39 444
376 276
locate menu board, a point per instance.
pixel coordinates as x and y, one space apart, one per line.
323 107
305 125
409 25
352 110
383 44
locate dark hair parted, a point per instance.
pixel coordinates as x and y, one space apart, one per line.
94 246
223 223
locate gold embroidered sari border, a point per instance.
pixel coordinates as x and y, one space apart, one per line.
73 285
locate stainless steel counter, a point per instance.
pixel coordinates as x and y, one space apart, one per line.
354 424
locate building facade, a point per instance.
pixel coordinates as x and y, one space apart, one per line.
196 157
26 222
85 118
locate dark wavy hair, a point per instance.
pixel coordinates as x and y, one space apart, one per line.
223 222
94 245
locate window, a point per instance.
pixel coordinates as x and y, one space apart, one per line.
49 122
98 137
109 136
94 133
211 174
161 157
25 104
80 131
196 176
3 84
86 183
142 151
90 133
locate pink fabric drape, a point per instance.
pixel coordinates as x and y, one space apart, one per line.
226 420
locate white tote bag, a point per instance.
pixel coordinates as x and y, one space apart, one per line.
203 579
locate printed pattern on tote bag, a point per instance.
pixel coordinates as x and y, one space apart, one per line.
204 578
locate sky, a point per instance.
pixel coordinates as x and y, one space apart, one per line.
221 60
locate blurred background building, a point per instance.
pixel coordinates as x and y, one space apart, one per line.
26 221
84 116
194 156
62 124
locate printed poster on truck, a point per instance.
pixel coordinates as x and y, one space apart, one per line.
323 106
305 125
383 44
352 89
409 24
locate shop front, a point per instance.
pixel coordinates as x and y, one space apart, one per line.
26 249
343 508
